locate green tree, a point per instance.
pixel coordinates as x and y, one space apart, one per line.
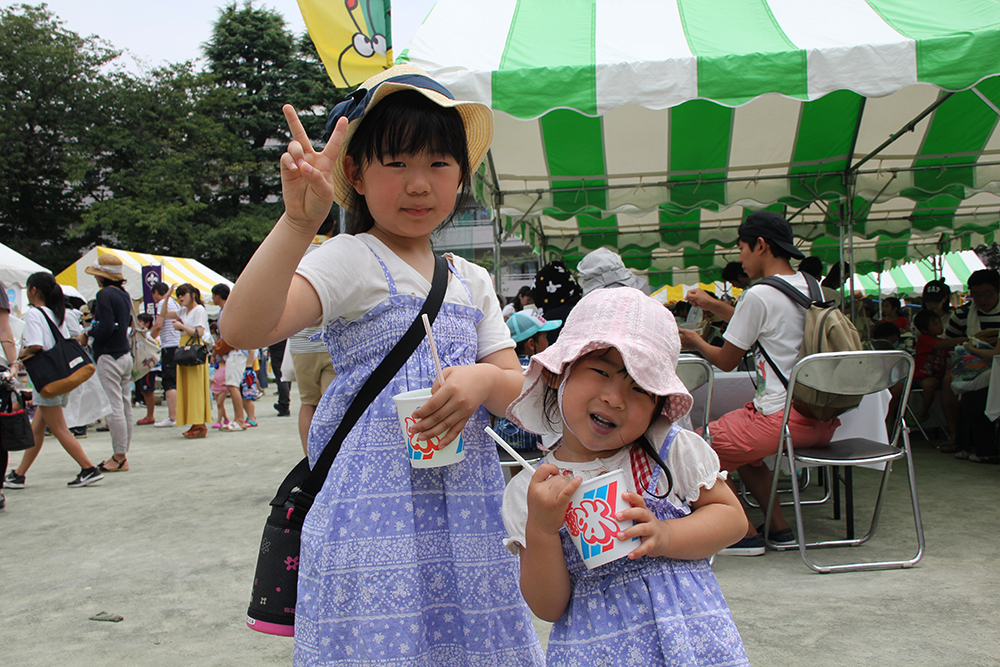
48 76
159 165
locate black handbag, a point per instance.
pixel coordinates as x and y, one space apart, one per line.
192 354
61 369
275 582
15 427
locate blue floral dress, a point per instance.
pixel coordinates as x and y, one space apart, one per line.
405 566
647 612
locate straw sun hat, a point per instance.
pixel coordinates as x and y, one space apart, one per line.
108 266
477 117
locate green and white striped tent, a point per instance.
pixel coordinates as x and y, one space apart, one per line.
909 279
651 126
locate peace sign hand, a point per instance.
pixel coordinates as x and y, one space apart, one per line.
307 176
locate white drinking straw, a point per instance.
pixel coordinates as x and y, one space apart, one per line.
510 450
434 350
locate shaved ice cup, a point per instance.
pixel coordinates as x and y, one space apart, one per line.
591 521
422 454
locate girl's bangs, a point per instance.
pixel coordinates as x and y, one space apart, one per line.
412 124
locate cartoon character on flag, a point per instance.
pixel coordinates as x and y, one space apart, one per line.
351 36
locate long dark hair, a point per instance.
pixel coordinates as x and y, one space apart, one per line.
550 411
45 283
405 122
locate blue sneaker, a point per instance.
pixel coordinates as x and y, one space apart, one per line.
748 546
782 538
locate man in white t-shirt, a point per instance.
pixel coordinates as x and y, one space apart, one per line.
170 338
744 438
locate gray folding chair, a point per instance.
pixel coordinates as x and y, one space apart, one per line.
695 373
854 374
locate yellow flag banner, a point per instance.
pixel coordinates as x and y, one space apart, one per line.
352 37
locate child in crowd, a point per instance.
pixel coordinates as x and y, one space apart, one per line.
609 385
886 332
248 389
529 332
217 366
145 387
931 357
397 564
891 307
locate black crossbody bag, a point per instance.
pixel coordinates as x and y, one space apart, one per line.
275 583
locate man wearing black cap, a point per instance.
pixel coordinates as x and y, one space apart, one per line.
744 438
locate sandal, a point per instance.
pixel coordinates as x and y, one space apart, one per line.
251 424
144 421
113 465
948 448
984 459
963 455
196 432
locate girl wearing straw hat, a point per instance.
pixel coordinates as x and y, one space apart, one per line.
398 565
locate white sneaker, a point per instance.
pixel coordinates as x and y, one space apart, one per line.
166 423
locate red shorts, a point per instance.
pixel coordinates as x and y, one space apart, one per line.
747 437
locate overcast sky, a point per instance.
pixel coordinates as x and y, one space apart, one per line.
154 32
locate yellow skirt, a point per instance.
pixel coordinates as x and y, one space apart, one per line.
193 397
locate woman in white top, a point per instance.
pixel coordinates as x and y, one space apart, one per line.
47 298
193 404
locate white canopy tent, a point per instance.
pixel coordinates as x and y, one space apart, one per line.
14 271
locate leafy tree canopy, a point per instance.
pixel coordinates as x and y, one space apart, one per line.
176 161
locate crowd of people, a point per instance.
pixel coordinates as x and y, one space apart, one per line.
109 397
408 562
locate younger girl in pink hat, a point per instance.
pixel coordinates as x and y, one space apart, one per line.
609 385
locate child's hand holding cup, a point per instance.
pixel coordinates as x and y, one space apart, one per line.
424 453
591 520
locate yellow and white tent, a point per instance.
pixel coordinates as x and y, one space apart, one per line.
672 293
175 270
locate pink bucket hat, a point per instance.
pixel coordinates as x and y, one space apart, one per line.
639 327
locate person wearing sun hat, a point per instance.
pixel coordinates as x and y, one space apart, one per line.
608 387
112 318
527 329
530 333
764 317
382 539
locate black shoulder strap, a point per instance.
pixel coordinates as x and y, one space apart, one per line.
373 386
815 296
815 293
55 330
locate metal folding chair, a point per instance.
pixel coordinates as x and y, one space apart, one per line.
854 374
695 373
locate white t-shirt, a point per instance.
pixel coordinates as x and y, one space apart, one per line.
197 317
766 315
37 331
693 466
169 336
299 343
349 282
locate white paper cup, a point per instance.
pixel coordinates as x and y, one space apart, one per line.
421 453
591 521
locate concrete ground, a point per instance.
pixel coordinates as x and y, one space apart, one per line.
170 546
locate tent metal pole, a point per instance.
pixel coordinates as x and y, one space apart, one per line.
909 127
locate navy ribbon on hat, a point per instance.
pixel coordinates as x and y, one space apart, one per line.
354 106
